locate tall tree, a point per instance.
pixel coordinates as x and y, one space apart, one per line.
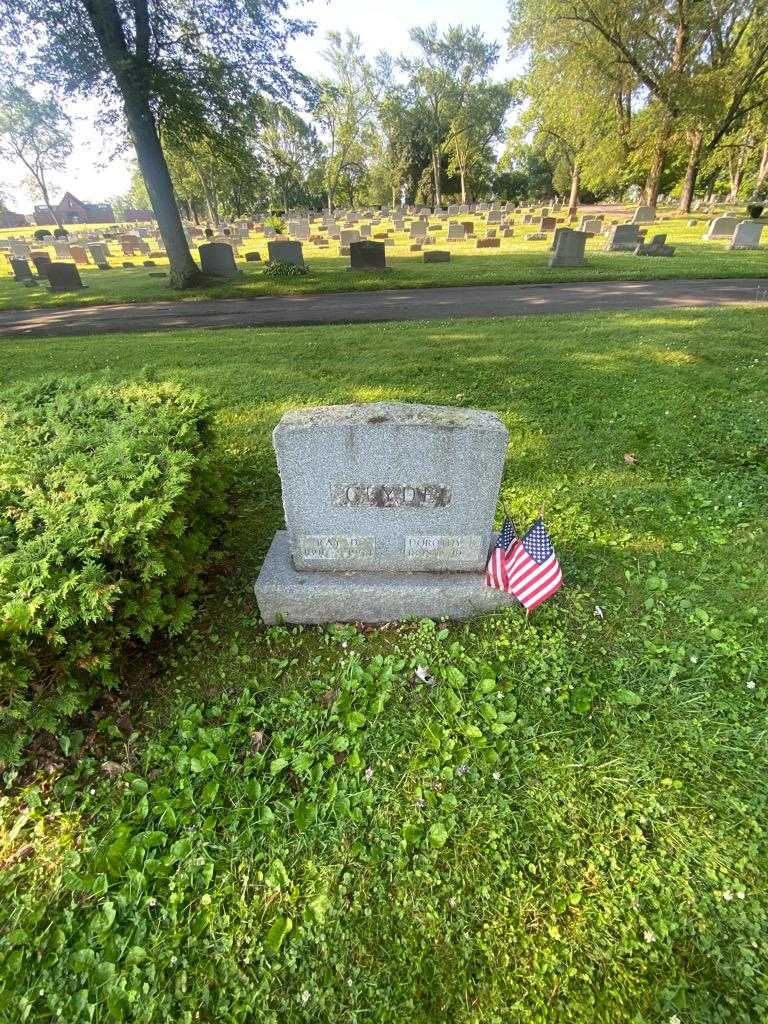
348 100
478 123
700 61
151 54
441 78
571 111
36 134
291 154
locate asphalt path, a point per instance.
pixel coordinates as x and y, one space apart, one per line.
380 306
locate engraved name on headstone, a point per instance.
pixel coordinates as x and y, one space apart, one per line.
390 495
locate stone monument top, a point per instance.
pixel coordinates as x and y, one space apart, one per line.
390 486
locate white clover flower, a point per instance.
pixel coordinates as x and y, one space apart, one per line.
727 895
649 936
599 613
304 997
740 894
751 684
368 774
674 1019
496 776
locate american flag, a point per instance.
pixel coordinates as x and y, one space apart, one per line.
532 568
496 574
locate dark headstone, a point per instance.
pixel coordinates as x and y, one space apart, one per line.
128 263
437 256
367 256
103 266
157 273
149 263
253 257
41 260
488 243
21 269
63 277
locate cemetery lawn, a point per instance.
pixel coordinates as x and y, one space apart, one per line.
516 262
570 824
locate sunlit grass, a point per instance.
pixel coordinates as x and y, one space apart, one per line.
517 261
599 857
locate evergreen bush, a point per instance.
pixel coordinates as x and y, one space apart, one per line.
110 497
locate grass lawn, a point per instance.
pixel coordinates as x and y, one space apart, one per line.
515 262
569 825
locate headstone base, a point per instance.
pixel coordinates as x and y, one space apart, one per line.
287 595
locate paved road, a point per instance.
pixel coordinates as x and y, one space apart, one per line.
373 307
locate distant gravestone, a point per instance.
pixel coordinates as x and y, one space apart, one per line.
644 215
299 230
252 257
286 252
64 277
79 255
487 243
745 236
623 238
591 225
656 247
418 229
21 270
569 251
349 235
217 259
366 255
547 224
41 261
437 256
99 253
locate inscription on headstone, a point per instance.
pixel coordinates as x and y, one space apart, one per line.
390 496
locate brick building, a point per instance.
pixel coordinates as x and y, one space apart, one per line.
72 211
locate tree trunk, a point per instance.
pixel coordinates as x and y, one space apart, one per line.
653 181
573 199
691 172
463 184
436 173
154 171
762 171
44 192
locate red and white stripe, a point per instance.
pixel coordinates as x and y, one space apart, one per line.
496 574
530 582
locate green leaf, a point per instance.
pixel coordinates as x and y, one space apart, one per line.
437 835
304 814
279 929
628 697
355 720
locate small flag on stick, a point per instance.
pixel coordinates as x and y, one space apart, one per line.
533 569
496 570
526 567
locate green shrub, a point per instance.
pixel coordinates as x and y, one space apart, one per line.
275 222
110 497
42 233
61 233
277 268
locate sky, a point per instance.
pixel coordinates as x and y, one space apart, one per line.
94 174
